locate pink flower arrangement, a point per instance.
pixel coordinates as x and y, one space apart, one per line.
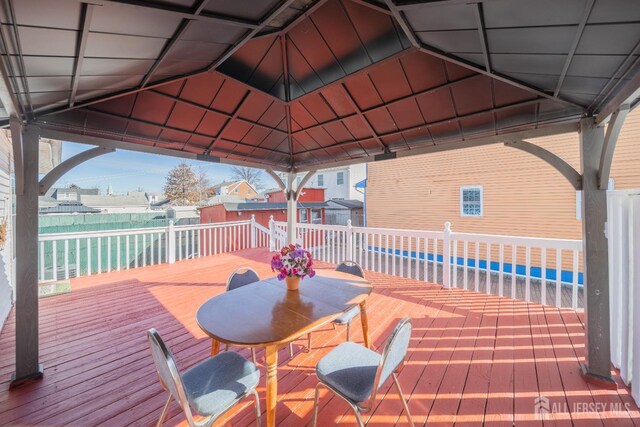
293 261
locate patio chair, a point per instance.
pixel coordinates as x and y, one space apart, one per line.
354 373
349 267
241 277
210 388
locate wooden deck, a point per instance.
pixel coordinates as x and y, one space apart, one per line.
474 359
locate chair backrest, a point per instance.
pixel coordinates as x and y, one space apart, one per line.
241 277
168 371
393 354
350 267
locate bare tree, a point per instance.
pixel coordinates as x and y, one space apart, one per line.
205 190
251 175
181 185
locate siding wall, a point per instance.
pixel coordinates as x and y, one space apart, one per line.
523 196
6 253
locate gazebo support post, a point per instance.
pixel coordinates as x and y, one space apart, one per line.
292 209
597 367
25 144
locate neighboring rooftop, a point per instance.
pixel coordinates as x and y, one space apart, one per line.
133 199
267 206
68 208
347 204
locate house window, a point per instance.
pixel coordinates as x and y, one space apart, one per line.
320 180
303 216
340 178
316 216
471 201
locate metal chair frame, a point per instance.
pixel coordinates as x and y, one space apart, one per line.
154 338
226 289
358 407
347 263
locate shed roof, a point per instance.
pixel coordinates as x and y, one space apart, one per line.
133 199
346 203
67 208
267 206
304 84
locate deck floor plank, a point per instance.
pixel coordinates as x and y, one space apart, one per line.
474 359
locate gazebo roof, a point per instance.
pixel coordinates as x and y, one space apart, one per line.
303 84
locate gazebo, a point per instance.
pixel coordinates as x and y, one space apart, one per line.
297 85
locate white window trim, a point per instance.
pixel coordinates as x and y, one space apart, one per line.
472 187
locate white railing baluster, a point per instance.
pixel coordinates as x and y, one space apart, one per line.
135 250
401 273
99 268
465 257
144 250
527 274
379 253
434 264
77 257
386 253
118 256
488 276
127 252
409 257
476 270
501 271
88 256
417 258
55 261
425 266
454 274
108 253
543 276
393 260
514 266
66 259
574 285
558 278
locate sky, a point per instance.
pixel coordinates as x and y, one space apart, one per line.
128 170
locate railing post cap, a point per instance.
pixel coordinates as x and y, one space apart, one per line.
170 222
447 226
348 223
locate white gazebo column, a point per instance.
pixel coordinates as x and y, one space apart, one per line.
292 209
25 143
597 368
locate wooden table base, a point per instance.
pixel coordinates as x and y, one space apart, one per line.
365 323
272 384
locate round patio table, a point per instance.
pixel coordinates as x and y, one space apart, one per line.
265 314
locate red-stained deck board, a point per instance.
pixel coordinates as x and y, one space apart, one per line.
474 359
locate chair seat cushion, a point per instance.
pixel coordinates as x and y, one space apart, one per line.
217 383
350 369
347 316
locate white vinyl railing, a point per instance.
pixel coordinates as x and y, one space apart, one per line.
623 232
65 255
533 269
